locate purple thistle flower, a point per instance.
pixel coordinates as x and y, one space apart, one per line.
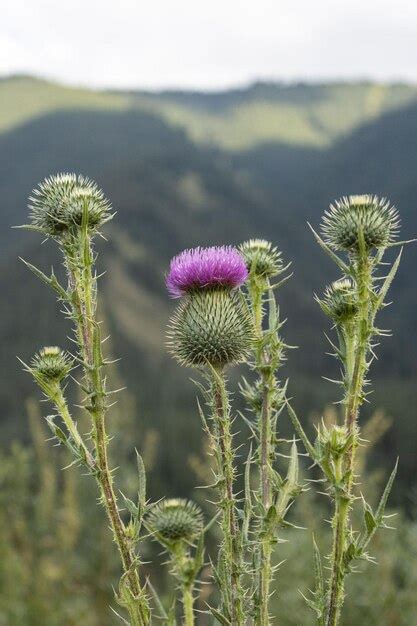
206 267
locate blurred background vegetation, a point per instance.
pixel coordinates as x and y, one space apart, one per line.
183 169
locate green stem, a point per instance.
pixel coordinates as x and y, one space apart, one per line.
82 285
231 533
188 603
265 452
62 408
357 344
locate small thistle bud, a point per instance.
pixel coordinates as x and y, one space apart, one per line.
261 258
353 217
58 204
254 396
51 364
212 324
339 301
176 520
333 442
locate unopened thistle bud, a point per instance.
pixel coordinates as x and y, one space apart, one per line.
352 218
58 204
51 364
176 520
261 257
339 301
212 324
254 396
334 441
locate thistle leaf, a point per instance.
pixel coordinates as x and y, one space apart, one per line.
387 282
142 479
301 433
219 617
345 268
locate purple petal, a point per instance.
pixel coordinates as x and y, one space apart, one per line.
206 267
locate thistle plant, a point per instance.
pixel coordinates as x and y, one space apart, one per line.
266 399
361 228
212 328
227 314
70 210
178 525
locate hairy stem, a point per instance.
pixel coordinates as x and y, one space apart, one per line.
188 602
357 343
265 452
231 532
83 286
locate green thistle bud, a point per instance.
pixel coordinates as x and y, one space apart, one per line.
176 520
254 396
353 217
58 204
333 442
339 301
51 364
261 258
211 326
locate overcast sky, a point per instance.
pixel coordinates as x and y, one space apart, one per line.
210 44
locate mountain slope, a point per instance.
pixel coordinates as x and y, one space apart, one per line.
171 193
300 114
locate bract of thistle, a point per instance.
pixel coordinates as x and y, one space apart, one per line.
58 205
261 258
339 301
211 326
176 520
353 217
52 364
202 268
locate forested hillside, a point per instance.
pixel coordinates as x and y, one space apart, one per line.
183 169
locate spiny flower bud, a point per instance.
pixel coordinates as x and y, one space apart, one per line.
254 396
354 216
212 324
333 441
261 258
339 301
57 205
176 520
51 364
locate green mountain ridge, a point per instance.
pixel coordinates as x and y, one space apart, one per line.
301 114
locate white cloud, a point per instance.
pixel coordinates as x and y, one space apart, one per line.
192 43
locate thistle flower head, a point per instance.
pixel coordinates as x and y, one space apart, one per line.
261 258
51 364
353 217
339 301
176 520
211 326
204 268
59 202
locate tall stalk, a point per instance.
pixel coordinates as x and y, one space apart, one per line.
70 209
82 283
362 227
266 398
232 540
356 339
